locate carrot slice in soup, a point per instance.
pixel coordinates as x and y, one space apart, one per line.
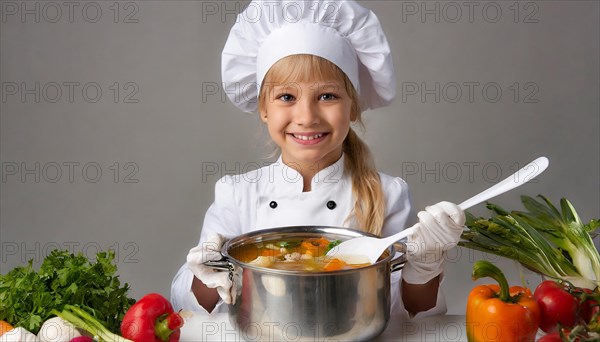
334 265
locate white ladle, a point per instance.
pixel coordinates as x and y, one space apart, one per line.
364 250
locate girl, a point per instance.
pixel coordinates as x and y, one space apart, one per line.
314 78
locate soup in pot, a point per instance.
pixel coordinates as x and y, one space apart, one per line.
295 254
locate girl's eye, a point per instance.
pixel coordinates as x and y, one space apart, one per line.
286 97
328 97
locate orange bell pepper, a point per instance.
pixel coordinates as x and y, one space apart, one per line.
500 313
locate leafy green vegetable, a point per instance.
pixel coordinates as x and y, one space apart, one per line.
28 297
548 241
332 244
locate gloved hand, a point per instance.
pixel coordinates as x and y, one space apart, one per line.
216 279
439 229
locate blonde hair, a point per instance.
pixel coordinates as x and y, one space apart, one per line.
369 205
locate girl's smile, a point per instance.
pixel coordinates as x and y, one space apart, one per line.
308 138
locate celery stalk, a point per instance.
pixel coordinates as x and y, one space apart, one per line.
548 241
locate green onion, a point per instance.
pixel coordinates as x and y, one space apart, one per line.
82 319
554 243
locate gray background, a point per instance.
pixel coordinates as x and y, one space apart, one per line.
161 137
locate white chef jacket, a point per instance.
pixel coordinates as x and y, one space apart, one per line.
272 197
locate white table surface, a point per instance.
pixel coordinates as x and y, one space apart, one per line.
437 328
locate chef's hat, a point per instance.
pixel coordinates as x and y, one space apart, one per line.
343 32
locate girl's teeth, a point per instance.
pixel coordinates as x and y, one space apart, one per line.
306 137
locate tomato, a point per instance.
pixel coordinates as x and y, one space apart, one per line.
589 308
555 337
551 337
556 304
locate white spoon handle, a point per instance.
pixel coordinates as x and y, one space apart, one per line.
397 237
524 175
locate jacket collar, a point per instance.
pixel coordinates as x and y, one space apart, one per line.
288 179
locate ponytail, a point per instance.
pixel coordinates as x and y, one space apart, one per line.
369 205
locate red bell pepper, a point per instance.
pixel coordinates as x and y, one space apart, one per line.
151 319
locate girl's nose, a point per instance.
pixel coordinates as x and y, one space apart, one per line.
307 112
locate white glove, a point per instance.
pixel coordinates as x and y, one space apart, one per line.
216 279
438 230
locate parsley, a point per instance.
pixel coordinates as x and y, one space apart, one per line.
332 244
28 297
290 244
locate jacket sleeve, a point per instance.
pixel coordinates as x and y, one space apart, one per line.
400 215
398 212
222 217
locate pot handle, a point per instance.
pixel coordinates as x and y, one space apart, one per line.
398 263
223 265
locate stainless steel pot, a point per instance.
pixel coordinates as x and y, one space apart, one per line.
280 305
